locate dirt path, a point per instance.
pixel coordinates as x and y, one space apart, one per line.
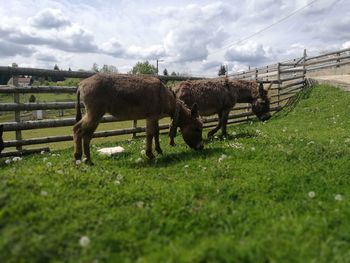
341 81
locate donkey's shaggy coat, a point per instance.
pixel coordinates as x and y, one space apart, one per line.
219 96
130 97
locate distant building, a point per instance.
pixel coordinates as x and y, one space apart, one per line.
23 81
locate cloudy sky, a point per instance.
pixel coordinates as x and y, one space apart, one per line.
192 37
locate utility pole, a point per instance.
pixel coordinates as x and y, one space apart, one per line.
158 60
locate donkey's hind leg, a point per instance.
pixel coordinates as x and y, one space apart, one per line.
224 119
150 134
77 132
213 131
89 124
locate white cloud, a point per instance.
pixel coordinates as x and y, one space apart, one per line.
189 36
346 44
249 53
49 18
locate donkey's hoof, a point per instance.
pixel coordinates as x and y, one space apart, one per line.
150 155
159 151
210 135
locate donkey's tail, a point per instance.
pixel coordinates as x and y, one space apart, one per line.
78 115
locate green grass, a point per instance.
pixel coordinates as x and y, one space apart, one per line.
244 199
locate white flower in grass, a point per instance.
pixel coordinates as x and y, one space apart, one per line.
120 177
138 160
347 140
43 193
42 152
84 241
223 157
253 149
186 166
143 152
311 194
338 197
8 161
45 159
331 141
60 172
53 155
117 182
78 162
140 204
310 142
284 129
16 159
48 164
234 133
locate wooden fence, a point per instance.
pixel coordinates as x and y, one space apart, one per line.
288 79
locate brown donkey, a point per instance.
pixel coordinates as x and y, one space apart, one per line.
1 140
219 96
130 97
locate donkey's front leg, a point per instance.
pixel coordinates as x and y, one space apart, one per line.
156 137
149 138
213 131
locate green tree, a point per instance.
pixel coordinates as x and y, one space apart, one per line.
108 68
95 67
143 68
173 73
165 72
222 70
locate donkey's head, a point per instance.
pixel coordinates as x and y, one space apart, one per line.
261 104
1 140
190 124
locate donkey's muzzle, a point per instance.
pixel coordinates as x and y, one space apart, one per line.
199 146
265 117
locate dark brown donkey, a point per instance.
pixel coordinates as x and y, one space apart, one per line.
219 96
1 140
129 97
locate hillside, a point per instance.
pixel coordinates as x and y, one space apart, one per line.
272 192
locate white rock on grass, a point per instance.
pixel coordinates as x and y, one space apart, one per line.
109 151
16 159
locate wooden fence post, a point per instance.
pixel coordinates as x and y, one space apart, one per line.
16 98
279 83
134 125
304 66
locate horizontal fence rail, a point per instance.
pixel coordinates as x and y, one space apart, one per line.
288 78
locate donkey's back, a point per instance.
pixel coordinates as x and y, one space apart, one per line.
124 96
211 95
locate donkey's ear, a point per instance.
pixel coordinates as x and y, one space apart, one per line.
194 111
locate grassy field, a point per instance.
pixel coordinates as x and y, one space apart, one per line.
271 192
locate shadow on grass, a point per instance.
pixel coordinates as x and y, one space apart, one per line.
169 159
229 137
293 102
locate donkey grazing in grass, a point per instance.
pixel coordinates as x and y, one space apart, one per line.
219 96
129 97
1 140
